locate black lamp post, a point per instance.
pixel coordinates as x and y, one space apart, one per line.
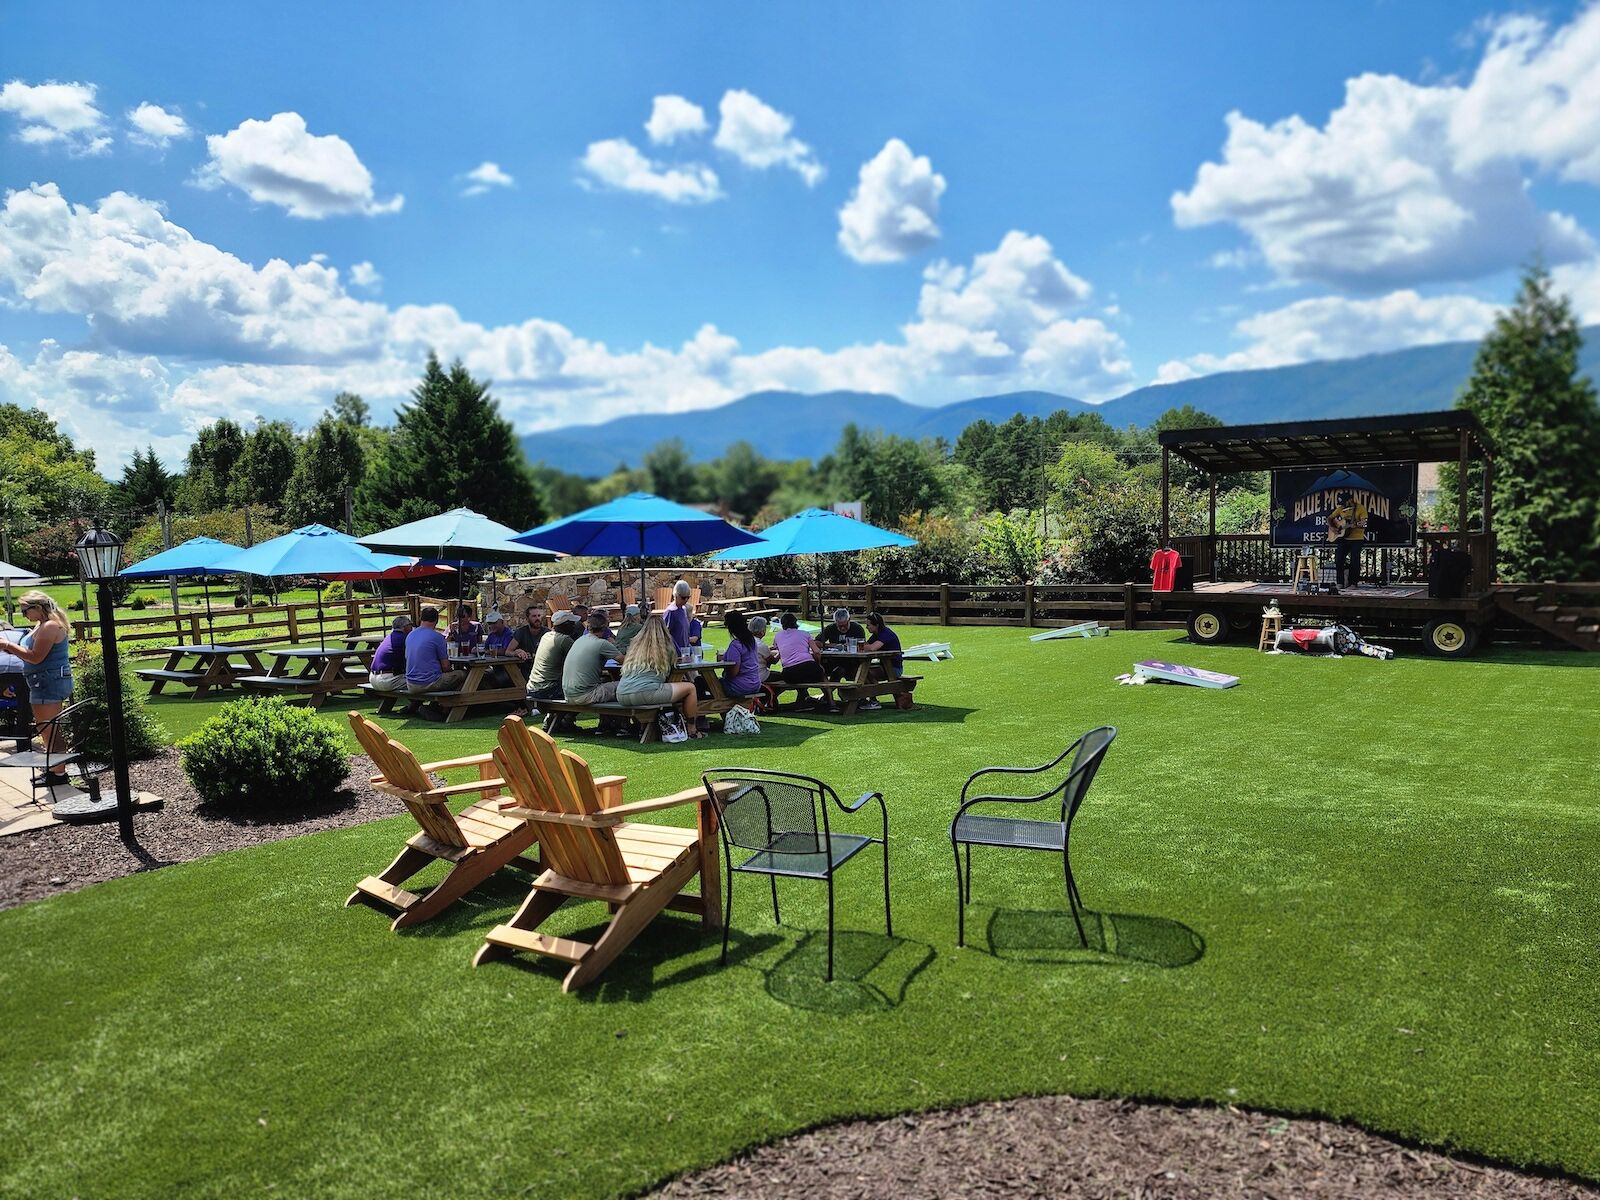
100 558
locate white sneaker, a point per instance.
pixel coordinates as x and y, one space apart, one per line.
870 706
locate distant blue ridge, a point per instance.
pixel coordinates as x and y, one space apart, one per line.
787 425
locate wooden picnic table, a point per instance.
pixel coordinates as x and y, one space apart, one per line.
476 690
311 671
861 685
212 667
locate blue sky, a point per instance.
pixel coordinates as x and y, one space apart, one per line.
939 200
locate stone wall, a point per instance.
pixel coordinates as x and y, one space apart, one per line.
592 588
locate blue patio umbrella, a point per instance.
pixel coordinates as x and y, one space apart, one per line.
197 556
459 538
816 531
638 526
315 551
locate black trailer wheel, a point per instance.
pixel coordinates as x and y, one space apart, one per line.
1208 626
1450 637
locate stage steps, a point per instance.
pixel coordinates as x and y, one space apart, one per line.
1539 605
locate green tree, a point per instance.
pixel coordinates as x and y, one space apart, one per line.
450 447
265 464
1081 469
209 466
741 479
146 483
351 409
670 472
330 459
894 475
43 476
563 494
1011 547
1544 424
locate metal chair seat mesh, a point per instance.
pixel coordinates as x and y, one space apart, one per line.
1017 833
802 854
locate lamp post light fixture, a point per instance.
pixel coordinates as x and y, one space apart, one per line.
99 559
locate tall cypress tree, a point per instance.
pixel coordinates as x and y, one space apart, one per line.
330 459
1544 423
145 481
265 465
450 447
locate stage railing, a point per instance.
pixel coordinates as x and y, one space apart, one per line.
1234 557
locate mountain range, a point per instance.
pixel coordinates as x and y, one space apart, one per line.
788 425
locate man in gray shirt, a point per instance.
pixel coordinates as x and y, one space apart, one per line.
583 675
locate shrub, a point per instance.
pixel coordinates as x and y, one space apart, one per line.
946 552
138 603
337 590
1012 548
92 722
265 755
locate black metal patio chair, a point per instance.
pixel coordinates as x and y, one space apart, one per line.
1025 833
782 820
71 733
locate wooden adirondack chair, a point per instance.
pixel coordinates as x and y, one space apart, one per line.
556 601
593 852
477 842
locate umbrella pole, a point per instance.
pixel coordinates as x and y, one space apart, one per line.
211 630
322 635
642 585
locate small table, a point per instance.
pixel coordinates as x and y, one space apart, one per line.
212 667
322 670
863 686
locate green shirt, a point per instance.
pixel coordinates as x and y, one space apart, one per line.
547 663
585 667
627 633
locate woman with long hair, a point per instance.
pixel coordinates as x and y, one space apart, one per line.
647 674
743 674
45 651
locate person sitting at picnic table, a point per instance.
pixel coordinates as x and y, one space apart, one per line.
498 641
799 657
528 634
464 630
544 681
428 658
580 613
583 675
696 630
647 675
632 623
679 614
834 637
742 676
47 661
388 670
758 630
881 637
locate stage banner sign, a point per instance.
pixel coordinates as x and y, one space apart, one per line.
1302 498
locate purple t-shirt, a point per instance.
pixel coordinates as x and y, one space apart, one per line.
499 642
677 619
793 646
745 676
390 657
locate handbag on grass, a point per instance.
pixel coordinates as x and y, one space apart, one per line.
739 720
673 728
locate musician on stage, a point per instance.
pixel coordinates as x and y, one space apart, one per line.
1347 530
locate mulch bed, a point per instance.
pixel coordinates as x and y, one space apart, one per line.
1061 1147
62 858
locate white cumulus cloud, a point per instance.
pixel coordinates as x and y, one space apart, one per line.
1339 327
152 125
759 136
484 176
673 117
279 161
617 163
894 211
62 114
1409 183
365 275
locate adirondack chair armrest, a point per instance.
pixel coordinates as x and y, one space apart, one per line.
609 789
598 820
692 795
473 760
461 789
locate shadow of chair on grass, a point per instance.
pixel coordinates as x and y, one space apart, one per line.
1029 935
872 972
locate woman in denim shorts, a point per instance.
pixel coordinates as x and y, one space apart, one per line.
44 651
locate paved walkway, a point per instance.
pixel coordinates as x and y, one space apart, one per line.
20 810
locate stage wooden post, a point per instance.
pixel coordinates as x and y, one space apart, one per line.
1166 532
1461 508
1211 549
1488 494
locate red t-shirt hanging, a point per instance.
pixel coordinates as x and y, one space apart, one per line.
1164 569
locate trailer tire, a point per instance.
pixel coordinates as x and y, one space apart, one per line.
1450 637
1208 626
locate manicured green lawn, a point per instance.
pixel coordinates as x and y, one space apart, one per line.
1388 871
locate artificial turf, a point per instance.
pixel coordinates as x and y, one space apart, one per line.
1359 889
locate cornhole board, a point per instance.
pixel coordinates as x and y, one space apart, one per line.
1178 673
929 651
1084 629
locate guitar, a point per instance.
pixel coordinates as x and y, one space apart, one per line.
1336 528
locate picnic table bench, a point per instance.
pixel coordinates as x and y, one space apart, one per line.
476 690
645 717
708 671
861 685
212 668
322 671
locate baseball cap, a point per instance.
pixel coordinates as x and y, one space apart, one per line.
562 617
493 615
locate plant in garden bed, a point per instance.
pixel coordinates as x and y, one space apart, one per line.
264 755
92 722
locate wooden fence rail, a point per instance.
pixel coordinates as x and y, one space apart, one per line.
1120 605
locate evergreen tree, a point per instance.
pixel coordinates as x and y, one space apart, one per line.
670 472
330 459
145 482
208 470
265 465
1544 424
450 447
351 409
741 479
894 475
